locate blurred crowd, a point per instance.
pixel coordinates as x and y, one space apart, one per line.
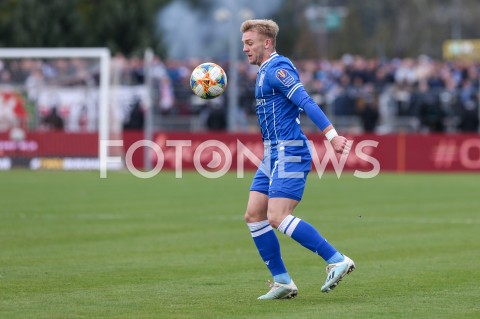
421 94
377 95
382 96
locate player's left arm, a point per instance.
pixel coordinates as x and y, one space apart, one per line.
339 143
287 80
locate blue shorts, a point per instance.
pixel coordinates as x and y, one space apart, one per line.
283 172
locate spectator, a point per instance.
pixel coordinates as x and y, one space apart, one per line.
53 121
136 118
468 107
367 108
216 118
430 111
344 103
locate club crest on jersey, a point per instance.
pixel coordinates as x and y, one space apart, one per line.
285 77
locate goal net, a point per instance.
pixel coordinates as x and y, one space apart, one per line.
55 107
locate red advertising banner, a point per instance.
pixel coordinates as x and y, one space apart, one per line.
226 151
50 144
438 152
395 152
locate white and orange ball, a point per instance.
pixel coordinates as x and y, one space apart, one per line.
208 80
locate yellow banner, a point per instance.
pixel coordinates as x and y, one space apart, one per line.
468 50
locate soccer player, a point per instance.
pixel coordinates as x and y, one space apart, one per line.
280 180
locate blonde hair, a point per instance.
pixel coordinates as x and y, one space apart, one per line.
267 28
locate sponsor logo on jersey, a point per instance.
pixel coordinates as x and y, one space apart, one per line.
261 102
285 77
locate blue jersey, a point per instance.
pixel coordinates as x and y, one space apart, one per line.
279 98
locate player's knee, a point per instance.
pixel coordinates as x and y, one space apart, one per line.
274 220
248 217
252 216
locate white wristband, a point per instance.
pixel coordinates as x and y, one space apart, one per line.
331 134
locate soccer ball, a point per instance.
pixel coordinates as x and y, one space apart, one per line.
208 80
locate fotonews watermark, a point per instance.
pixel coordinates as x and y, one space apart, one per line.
214 158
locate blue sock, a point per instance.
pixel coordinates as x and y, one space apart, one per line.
307 236
269 249
282 278
336 258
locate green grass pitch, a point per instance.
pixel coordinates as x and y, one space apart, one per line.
73 245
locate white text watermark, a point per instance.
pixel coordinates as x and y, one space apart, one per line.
214 158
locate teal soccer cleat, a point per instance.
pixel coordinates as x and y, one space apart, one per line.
336 272
280 291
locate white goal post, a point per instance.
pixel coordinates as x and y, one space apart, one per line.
103 54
